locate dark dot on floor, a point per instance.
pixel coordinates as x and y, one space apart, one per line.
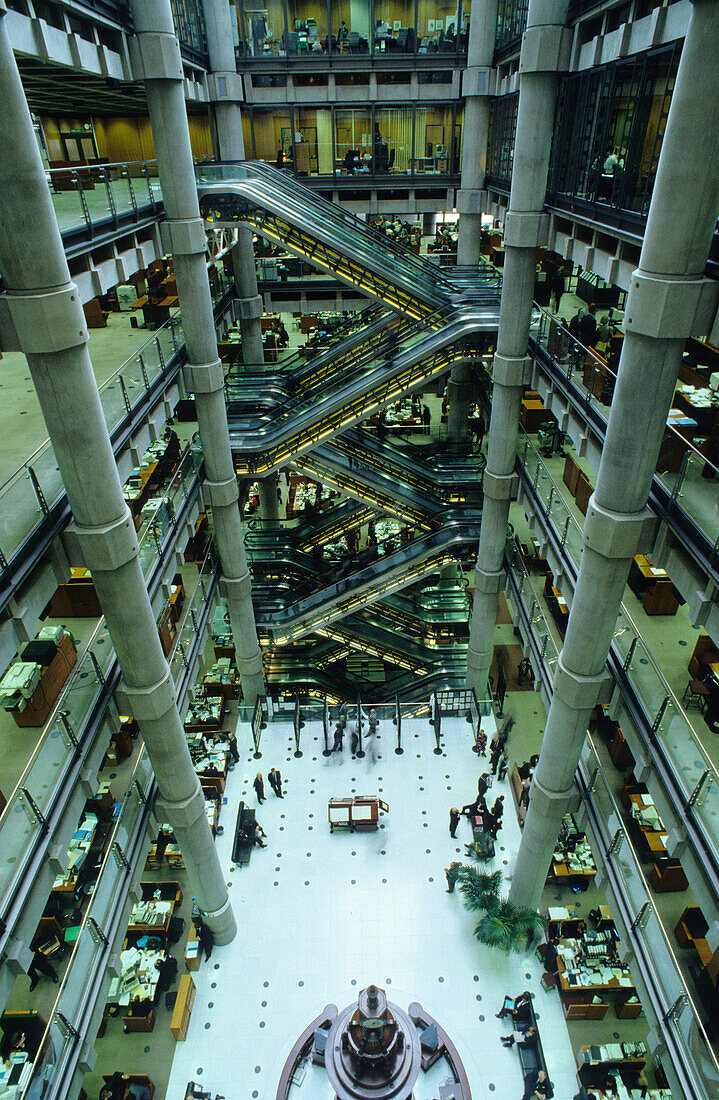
528 976
431 879
255 1094
282 828
353 982
282 816
312 815
476 978
213 985
354 881
262 1023
384 880
146 1050
424 813
265 984
388 981
440 979
383 852
217 966
427 850
276 868
491 1086
210 1004
300 983
425 825
275 883
257 1069
478 997
199 1071
264 1004
307 882
208 1026
505 862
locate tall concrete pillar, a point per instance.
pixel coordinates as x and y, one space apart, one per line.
668 301
226 94
459 394
267 491
476 89
545 53
157 61
45 308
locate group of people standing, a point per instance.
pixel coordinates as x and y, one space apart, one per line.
275 781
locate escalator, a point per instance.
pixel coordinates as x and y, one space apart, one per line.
270 424
262 537
281 209
416 489
288 618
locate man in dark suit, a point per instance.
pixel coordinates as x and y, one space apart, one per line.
537 1086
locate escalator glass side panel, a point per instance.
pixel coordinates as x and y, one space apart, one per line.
231 192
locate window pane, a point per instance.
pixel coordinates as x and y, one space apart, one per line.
394 26
272 131
350 25
313 154
432 139
353 141
393 141
307 28
438 26
263 27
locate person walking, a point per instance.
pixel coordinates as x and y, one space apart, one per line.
342 714
339 735
454 816
234 752
498 807
259 786
503 765
354 738
483 785
275 781
494 756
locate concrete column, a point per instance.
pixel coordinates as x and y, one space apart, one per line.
545 52
226 95
459 393
477 88
269 505
668 301
45 308
156 59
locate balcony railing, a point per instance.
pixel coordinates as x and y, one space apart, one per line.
691 765
691 487
25 818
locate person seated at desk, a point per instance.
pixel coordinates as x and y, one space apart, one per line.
519 1008
523 1038
115 1088
141 1006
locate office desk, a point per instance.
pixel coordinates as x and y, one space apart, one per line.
138 976
649 841
654 584
582 979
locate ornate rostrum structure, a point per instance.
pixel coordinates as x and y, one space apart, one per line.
373 1050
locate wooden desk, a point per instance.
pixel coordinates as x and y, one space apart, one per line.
649 842
593 987
77 599
162 303
52 679
654 584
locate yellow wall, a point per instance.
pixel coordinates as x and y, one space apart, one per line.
122 140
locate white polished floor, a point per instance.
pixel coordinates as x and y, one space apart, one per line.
321 916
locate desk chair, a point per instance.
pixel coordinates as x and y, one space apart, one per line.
548 981
698 693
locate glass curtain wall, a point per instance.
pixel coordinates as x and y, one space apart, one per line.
307 28
511 21
500 146
391 141
610 126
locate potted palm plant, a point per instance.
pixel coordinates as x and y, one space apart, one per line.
502 923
